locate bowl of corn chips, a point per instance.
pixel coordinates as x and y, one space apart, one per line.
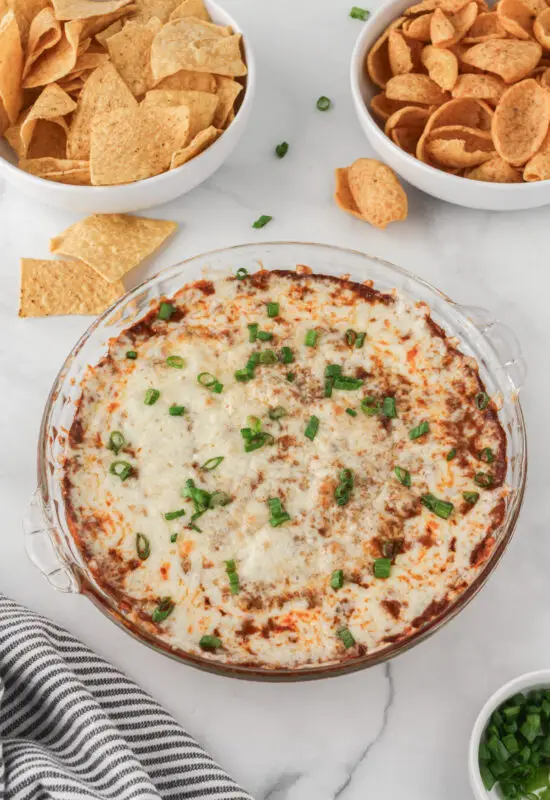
118 105
455 96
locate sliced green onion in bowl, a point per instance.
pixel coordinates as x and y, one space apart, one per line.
441 508
471 497
389 408
483 479
486 455
451 454
286 355
347 383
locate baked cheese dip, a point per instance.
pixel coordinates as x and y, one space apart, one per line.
284 470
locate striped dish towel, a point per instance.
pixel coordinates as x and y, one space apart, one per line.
73 727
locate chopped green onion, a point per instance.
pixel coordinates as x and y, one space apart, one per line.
254 439
329 386
337 579
268 357
173 537
360 341
333 370
231 570
451 454
483 479
175 361
359 13
277 413
200 497
486 455
116 442
311 338
420 430
346 383
487 777
265 336
440 508
346 636
170 515
131 354
350 336
122 469
262 221
471 497
253 331
210 642
176 411
163 610
217 388
344 489
281 150
245 374
388 407
278 516
370 406
151 397
212 463
218 499
323 103
312 427
286 356
194 527
241 274
403 476
255 423
143 546
209 381
290 376
273 309
165 311
482 400
382 567
351 412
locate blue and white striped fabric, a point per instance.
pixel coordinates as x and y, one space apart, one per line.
73 727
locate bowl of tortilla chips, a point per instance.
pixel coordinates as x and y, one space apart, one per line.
117 105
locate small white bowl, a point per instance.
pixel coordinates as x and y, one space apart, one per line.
453 189
151 191
531 680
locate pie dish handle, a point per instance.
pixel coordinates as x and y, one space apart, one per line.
503 341
43 550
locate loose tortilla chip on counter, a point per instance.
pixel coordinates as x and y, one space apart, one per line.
202 106
63 287
130 52
104 91
342 195
11 67
132 144
227 91
59 170
53 105
113 244
370 190
59 60
191 8
44 33
196 146
191 81
82 9
198 46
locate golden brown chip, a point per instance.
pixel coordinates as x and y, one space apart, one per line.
194 45
538 167
113 28
510 58
104 91
378 59
227 92
383 108
201 105
11 67
85 65
536 6
112 244
399 53
516 18
51 288
59 60
494 171
415 88
25 11
130 52
541 28
196 146
94 25
82 9
342 193
544 78
520 122
461 111
480 87
187 80
407 117
460 23
130 144
486 26
58 169
161 9
442 32
448 6
419 28
53 104
442 66
44 33
457 146
377 192
191 8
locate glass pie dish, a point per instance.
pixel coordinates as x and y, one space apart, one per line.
49 542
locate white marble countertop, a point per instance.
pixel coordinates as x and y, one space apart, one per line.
398 730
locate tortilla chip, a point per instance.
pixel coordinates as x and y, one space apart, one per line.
406 126
82 9
63 287
132 144
130 52
11 66
510 58
59 60
201 105
542 28
342 194
457 147
462 111
538 167
383 108
53 104
487 26
495 171
58 169
228 91
104 91
521 122
378 58
112 244
419 28
191 81
86 63
415 88
161 9
25 11
516 18
479 87
94 25
195 45
377 192
442 66
191 8
400 53
44 33
113 28
197 145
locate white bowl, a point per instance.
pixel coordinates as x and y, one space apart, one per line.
151 191
531 680
462 191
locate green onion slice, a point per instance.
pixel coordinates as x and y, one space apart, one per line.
350 337
268 357
382 567
333 370
241 274
175 361
440 508
278 515
346 636
151 397
346 383
483 479
265 336
486 455
273 309
173 537
403 476
212 463
343 491
290 376
370 406
231 570
170 515
311 338
176 411
143 546
351 412
323 103
262 221
163 610
359 13
131 354
281 150
122 469
277 413
419 430
389 408
337 579
253 328
210 642
312 427
481 400
286 356
209 381
116 442
165 311
471 497
451 454
360 341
